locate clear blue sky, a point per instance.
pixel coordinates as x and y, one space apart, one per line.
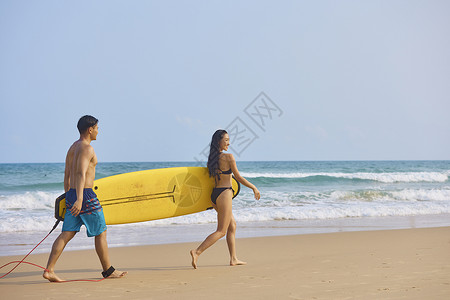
352 79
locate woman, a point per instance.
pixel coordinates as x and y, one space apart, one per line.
221 166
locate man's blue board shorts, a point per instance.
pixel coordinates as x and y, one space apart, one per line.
91 214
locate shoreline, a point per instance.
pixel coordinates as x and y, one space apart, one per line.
141 234
384 264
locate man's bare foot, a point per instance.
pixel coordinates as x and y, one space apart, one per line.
194 258
237 262
51 276
117 274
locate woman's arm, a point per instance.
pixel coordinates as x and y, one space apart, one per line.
241 179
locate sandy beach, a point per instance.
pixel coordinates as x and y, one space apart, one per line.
389 264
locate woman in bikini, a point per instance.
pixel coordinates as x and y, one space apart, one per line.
221 166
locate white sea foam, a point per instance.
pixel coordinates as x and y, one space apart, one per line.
259 214
337 204
323 211
28 200
34 211
29 211
381 177
18 223
422 195
317 193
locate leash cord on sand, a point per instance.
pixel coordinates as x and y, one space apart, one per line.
26 262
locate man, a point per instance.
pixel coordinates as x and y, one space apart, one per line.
82 205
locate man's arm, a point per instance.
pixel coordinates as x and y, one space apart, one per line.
82 166
67 172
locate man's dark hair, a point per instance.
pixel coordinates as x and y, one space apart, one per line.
85 122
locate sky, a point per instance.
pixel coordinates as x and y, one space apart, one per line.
289 80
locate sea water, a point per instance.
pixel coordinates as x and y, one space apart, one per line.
296 197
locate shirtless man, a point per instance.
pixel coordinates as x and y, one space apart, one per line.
83 207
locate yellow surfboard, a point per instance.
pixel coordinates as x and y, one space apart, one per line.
152 194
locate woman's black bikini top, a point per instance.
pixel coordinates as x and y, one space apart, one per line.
226 172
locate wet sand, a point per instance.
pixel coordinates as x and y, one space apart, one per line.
388 264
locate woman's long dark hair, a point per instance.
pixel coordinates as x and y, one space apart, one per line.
214 153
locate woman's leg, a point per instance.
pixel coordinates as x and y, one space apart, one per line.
231 241
224 214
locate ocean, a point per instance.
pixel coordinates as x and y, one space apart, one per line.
297 197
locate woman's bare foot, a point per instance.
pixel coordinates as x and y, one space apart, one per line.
194 258
51 276
237 262
117 274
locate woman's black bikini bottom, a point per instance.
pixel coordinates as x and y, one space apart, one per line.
217 191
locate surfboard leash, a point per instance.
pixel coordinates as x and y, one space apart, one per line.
30 263
23 260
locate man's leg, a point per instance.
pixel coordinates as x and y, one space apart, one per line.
101 247
57 248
